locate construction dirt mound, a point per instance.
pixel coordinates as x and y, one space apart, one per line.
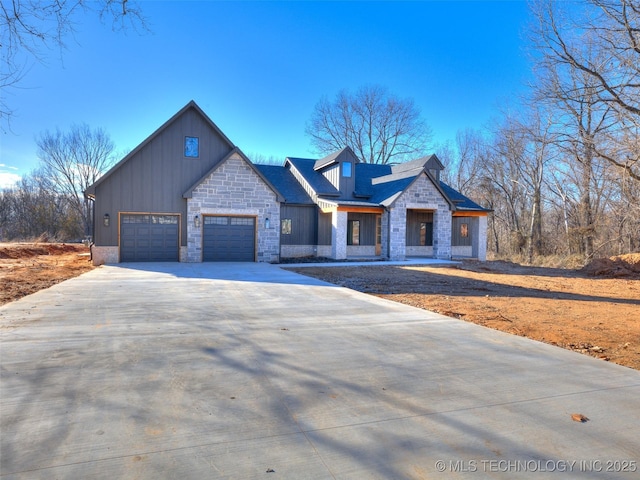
28 250
619 266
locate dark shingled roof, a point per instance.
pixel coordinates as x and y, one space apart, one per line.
374 184
320 185
285 183
461 202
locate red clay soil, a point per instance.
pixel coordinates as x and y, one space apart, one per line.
26 268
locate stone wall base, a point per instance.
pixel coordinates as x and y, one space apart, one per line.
297 251
361 251
102 255
419 251
462 251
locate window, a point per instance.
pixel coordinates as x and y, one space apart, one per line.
353 232
346 169
216 220
241 221
426 234
191 147
286 226
165 219
135 218
464 230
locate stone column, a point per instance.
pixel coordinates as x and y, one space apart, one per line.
398 233
442 234
481 238
194 234
338 235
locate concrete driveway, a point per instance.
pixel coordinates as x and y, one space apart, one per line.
249 371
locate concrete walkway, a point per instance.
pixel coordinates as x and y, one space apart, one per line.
249 371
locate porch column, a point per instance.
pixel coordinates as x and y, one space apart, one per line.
442 234
479 238
338 235
397 234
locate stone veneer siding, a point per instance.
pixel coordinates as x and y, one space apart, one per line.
338 235
481 239
361 251
297 251
421 195
462 251
235 189
102 255
419 251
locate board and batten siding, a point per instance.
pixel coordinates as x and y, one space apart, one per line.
414 219
154 178
304 224
367 226
457 240
324 228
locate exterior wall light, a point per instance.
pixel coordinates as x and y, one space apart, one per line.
196 221
105 220
267 223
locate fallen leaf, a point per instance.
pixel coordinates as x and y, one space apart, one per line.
578 417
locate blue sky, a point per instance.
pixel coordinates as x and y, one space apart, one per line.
258 68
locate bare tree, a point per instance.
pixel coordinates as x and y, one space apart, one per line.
539 153
473 153
33 209
30 30
599 41
73 161
380 127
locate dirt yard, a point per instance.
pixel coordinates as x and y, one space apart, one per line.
595 311
26 268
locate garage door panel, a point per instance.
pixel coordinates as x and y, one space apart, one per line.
144 241
229 239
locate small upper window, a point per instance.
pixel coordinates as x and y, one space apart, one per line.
464 230
191 147
346 169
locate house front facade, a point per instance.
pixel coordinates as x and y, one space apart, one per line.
188 194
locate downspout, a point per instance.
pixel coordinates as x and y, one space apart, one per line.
388 233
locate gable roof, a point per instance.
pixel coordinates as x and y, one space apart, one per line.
318 183
236 150
462 202
91 190
284 181
333 158
375 185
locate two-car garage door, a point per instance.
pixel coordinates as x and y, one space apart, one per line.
155 238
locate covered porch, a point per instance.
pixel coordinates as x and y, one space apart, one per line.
356 231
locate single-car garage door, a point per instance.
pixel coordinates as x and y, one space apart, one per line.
229 239
149 238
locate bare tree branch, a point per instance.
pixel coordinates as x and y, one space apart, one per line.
379 127
30 30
